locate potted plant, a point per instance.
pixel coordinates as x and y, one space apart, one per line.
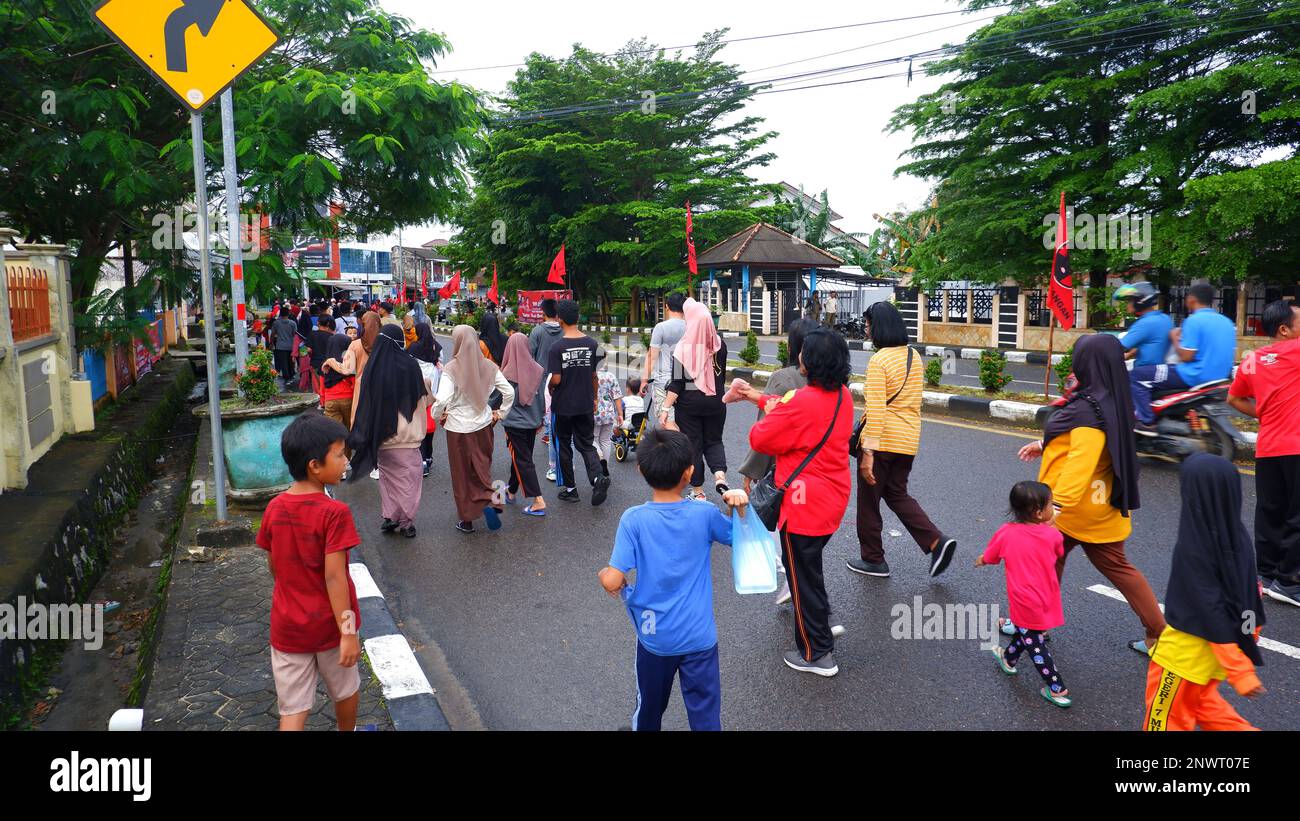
251 426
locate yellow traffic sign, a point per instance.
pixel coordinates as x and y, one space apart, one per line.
196 48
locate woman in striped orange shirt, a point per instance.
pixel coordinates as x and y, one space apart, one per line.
890 439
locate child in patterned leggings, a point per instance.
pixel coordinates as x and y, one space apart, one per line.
1031 545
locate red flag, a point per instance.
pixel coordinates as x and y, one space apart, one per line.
557 268
1060 295
492 292
453 285
690 242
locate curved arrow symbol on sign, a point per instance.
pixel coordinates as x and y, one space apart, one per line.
201 13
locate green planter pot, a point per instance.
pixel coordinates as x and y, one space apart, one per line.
250 441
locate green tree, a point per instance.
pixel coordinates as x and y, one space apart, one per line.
343 110
628 139
1128 107
812 224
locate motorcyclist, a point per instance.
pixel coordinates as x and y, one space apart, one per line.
1206 346
1147 340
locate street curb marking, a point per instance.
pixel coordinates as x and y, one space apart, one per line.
1264 643
363 581
395 667
408 695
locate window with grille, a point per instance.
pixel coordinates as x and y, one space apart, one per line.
957 306
982 306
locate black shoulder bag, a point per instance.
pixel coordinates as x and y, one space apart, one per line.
855 444
765 497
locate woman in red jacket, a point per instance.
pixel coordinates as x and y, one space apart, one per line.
817 420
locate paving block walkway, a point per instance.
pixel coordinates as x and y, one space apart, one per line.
213 668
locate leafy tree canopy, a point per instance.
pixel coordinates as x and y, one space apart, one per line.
1161 108
343 110
626 141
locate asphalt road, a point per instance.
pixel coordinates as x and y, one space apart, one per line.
516 632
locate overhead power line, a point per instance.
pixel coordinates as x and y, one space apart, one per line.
734 40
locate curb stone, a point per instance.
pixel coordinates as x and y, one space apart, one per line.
407 693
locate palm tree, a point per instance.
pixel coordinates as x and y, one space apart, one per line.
812 224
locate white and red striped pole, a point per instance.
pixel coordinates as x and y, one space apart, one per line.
234 247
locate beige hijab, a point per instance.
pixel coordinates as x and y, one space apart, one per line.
472 373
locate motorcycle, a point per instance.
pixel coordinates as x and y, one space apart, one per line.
852 328
1188 421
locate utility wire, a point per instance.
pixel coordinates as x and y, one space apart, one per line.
733 40
1136 31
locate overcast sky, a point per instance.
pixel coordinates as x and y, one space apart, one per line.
830 137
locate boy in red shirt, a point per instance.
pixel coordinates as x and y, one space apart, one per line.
314 612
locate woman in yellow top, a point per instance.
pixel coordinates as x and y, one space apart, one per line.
1090 463
889 440
1213 605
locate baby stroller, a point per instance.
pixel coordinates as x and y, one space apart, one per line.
625 440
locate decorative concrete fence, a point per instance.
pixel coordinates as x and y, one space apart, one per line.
39 399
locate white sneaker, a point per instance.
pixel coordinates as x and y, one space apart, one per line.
838 630
550 475
783 595
374 474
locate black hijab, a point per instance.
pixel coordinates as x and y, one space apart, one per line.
425 347
1102 400
336 349
489 330
393 385
304 325
1213 592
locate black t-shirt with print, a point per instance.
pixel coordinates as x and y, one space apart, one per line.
575 360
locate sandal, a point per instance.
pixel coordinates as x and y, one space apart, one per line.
528 511
388 526
720 487
696 495
493 518
1059 701
999 654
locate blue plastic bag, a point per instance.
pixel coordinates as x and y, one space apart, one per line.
753 554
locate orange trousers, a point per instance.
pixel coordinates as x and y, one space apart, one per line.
1174 703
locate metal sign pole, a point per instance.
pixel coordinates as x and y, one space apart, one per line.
234 242
209 324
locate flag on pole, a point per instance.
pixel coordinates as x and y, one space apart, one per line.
690 243
424 283
453 285
1060 295
492 292
557 268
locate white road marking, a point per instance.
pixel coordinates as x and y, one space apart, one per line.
395 666
363 581
1265 643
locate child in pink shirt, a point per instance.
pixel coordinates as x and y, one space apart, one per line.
1031 545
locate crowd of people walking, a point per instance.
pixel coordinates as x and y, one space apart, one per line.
385 382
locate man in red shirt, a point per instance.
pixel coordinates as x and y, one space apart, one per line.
1268 387
314 612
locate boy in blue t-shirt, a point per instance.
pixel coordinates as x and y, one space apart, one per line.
669 541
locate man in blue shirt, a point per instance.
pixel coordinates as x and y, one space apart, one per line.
1206 346
668 542
1147 340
